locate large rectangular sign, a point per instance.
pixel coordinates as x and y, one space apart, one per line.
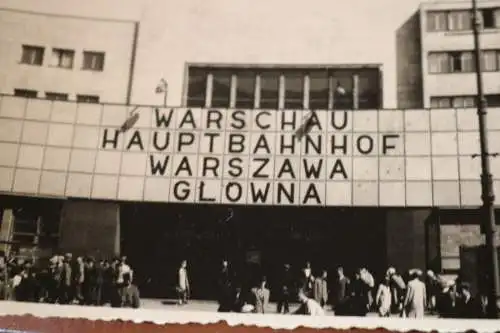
345 158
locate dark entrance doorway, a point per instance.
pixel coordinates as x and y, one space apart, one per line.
156 237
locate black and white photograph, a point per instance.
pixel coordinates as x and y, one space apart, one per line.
249 157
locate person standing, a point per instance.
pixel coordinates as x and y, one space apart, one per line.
224 285
321 289
307 280
183 288
285 290
383 299
468 307
78 279
261 297
341 292
90 296
415 299
65 295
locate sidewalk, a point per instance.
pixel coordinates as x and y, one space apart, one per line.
211 306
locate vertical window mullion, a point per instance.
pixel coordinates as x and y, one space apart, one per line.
281 92
233 87
306 94
257 92
209 91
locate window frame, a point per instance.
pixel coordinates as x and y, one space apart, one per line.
92 66
86 98
26 93
60 55
33 56
56 96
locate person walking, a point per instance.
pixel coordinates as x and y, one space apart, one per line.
285 290
183 288
321 289
261 297
383 299
415 299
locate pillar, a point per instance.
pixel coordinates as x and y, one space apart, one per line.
90 228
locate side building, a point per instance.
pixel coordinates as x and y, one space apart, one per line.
66 58
448 61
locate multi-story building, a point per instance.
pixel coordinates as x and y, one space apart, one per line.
448 65
66 58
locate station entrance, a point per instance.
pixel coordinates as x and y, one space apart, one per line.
256 240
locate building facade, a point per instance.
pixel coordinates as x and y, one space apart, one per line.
448 66
400 188
66 58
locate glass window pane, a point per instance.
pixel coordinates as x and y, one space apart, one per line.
221 88
489 60
197 87
269 89
369 89
294 90
342 85
318 90
245 89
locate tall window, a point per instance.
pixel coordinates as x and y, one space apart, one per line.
245 89
56 96
490 17
32 55
460 20
197 87
489 60
221 88
269 89
439 62
318 90
342 93
368 89
294 90
26 93
62 58
87 98
462 62
93 61
437 21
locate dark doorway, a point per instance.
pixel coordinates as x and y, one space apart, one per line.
156 237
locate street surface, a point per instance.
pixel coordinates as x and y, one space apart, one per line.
211 306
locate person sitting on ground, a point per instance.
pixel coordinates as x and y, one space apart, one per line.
130 294
309 306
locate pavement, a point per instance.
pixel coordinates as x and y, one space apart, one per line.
211 306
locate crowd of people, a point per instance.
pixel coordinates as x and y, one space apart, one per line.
86 281
65 279
411 295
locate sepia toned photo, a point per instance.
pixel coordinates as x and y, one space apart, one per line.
288 158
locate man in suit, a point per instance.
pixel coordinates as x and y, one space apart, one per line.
285 291
415 299
467 307
321 289
261 297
